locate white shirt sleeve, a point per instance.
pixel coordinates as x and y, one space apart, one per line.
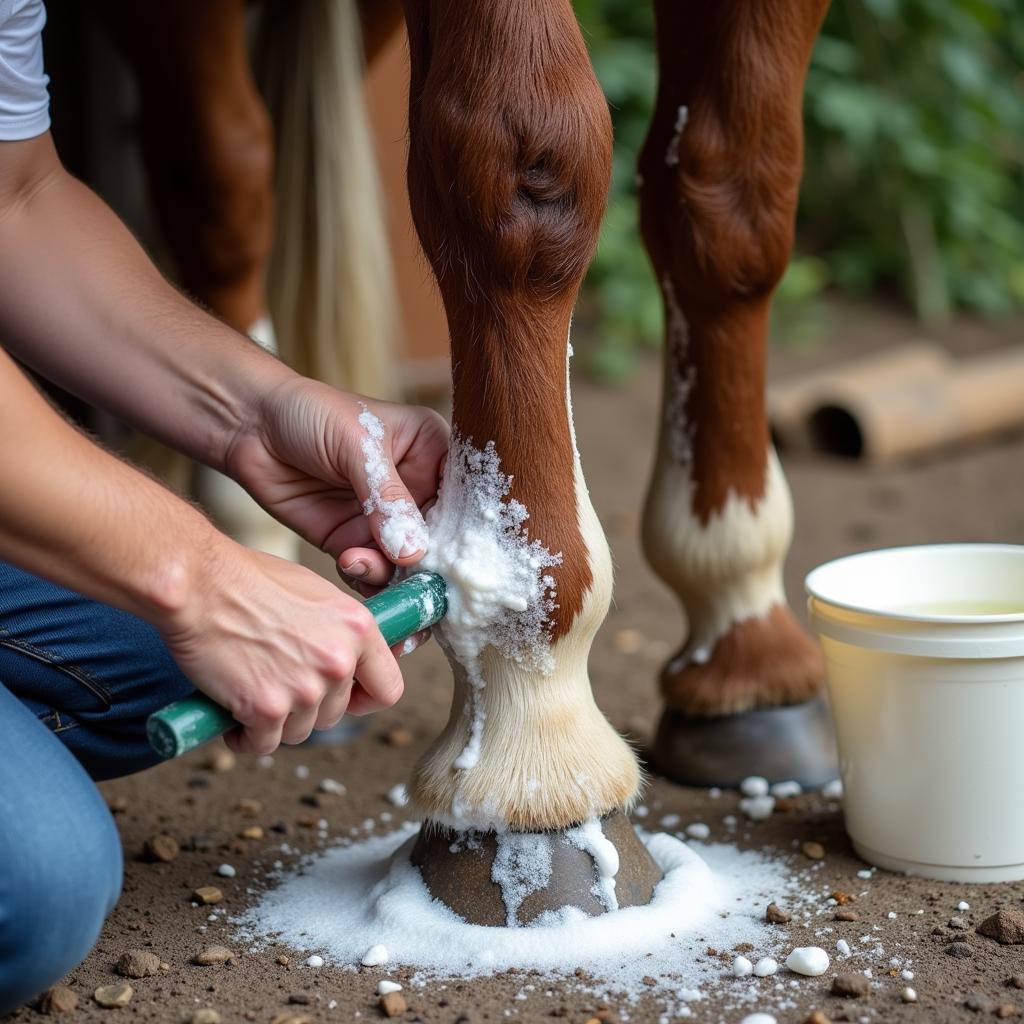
24 99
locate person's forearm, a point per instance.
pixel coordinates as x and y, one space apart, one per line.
74 513
85 307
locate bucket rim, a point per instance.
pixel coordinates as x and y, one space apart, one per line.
814 590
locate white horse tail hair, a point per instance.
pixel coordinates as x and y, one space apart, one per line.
330 287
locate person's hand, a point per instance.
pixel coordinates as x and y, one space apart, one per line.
304 460
282 649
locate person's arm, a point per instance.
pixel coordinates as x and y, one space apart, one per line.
85 307
271 641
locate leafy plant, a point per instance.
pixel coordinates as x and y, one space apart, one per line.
914 171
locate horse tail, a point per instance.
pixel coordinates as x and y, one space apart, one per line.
330 289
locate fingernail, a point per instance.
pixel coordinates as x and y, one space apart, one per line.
356 569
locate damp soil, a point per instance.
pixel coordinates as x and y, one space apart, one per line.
841 507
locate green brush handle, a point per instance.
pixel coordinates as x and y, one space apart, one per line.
400 611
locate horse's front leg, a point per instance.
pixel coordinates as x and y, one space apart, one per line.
510 150
719 177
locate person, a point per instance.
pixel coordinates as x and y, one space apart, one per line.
118 597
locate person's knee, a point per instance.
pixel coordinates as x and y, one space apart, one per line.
60 876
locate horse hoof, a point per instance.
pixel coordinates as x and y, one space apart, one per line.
794 742
459 870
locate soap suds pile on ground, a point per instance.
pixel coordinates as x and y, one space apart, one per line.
353 898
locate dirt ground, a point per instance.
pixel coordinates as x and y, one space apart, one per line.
841 507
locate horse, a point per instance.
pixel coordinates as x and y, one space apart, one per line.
508 172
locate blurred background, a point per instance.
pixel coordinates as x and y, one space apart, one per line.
913 189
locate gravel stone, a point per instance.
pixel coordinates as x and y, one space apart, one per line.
1005 926
114 996
59 999
850 986
393 1004
213 955
162 848
138 963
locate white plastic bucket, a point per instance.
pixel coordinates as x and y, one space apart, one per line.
924 650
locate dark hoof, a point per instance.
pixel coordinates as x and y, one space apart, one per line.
794 742
457 869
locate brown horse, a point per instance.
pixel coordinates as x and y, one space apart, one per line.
509 165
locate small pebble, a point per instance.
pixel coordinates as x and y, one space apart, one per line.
398 736
670 820
742 967
866 874
301 771
393 1004
1005 926
207 894
1007 1010
833 790
138 963
759 1018
265 761
1016 981
813 851
220 761
114 996
384 987
754 785
332 786
287 1017
398 795
315 961
908 995
226 871
958 923
59 999
846 915
843 947
963 905
757 808
161 848
776 915
811 961
698 830
907 975
206 1015
786 789
891 915
252 832
851 986
979 1004
213 955
249 807
765 967
959 950
375 956
818 1017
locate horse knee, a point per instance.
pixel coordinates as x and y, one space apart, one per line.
61 866
734 197
530 158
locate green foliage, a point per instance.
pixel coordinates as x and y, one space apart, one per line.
914 175
915 152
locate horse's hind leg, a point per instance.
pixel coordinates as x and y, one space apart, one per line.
719 177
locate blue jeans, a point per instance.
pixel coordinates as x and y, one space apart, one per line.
77 681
